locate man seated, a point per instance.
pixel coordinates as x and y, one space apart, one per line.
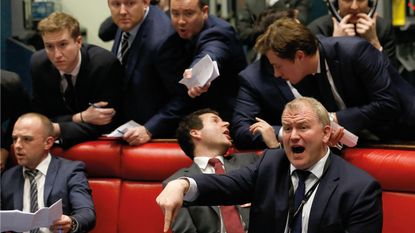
356 22
204 137
77 86
301 188
40 179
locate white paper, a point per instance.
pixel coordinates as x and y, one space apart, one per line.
203 72
19 221
118 132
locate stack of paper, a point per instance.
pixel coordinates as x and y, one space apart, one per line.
203 72
19 221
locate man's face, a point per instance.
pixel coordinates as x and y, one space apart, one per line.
30 142
214 134
62 49
286 69
187 17
127 13
304 137
353 7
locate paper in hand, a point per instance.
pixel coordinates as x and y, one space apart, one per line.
119 132
203 72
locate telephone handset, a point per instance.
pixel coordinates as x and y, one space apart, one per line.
334 12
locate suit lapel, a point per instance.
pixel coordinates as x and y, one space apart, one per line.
19 185
50 178
325 190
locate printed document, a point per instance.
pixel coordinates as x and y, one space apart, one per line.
19 221
203 72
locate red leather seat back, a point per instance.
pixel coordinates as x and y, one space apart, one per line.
139 211
102 158
106 196
398 212
394 169
152 161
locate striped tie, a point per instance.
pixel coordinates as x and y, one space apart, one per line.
33 194
124 47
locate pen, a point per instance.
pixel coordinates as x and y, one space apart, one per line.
121 132
94 105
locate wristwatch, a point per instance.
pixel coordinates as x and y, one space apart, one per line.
74 225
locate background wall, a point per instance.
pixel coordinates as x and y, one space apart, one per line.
90 14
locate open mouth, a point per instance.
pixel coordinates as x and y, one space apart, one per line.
297 149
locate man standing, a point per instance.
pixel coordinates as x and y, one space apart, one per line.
361 89
204 137
199 34
77 86
303 188
142 29
40 179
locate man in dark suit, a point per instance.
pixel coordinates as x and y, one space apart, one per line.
53 178
77 86
351 78
303 188
148 99
203 135
356 22
199 34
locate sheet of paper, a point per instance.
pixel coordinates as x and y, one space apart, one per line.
203 72
118 132
19 221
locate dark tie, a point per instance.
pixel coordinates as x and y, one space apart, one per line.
33 194
298 197
69 93
124 47
230 214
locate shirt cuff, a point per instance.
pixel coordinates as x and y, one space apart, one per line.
192 193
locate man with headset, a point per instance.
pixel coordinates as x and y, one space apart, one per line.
355 21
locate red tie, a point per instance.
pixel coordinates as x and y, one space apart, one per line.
230 214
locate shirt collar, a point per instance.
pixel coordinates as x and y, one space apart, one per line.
202 161
318 168
43 166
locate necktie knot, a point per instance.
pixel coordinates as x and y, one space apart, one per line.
32 173
217 164
302 175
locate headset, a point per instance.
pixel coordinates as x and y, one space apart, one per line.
334 5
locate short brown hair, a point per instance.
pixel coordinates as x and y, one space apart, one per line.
190 122
285 37
59 21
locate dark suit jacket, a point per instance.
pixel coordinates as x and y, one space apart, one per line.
147 86
347 199
260 95
324 26
99 79
376 97
65 180
205 219
219 40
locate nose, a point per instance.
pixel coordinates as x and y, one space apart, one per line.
17 144
277 73
354 5
294 134
226 124
181 20
57 52
123 9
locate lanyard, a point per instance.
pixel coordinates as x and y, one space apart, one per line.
294 213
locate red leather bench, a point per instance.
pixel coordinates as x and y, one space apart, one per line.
126 180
